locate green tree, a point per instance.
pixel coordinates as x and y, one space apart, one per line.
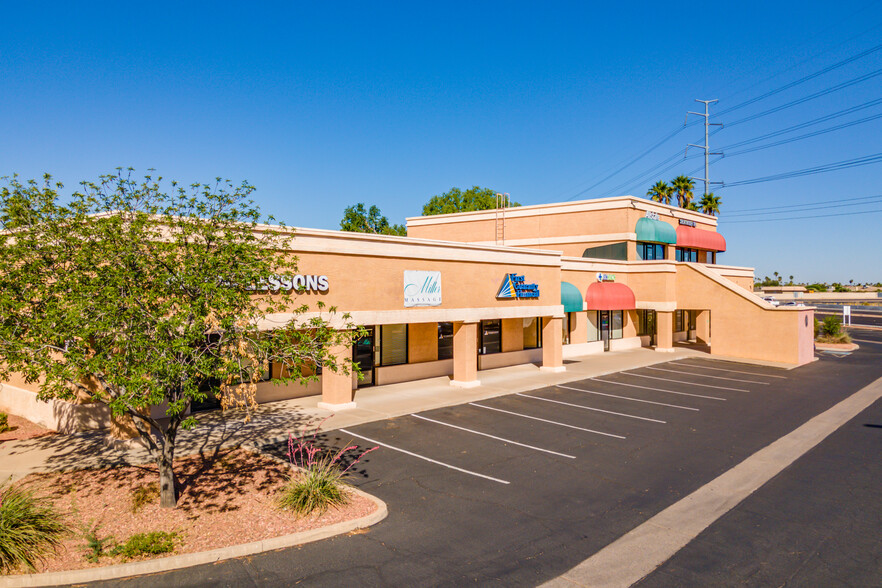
358 219
660 192
455 200
135 297
684 187
710 204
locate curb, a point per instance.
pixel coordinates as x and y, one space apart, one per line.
176 562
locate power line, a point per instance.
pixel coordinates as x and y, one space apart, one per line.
771 220
824 92
828 167
806 204
806 124
802 80
806 135
807 208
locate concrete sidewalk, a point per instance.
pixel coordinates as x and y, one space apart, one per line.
275 420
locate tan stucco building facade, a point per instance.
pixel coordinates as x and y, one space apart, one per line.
534 284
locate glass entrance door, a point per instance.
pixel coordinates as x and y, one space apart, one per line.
363 355
604 329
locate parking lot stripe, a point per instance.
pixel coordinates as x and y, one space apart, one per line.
660 390
705 376
526 416
630 416
424 458
868 341
704 367
416 416
682 382
628 398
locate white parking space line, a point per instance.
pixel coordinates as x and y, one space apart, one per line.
630 416
526 416
868 341
424 458
659 390
416 416
706 376
704 367
682 382
628 398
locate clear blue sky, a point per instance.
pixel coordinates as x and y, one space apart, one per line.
323 105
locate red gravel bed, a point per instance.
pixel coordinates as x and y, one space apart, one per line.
23 429
225 499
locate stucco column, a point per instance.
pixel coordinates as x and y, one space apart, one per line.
465 355
664 325
702 327
337 387
552 344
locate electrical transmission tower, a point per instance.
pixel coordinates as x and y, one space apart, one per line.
706 146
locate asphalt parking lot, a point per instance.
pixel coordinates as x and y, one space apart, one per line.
518 489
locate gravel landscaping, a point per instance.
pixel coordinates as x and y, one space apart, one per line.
23 429
225 498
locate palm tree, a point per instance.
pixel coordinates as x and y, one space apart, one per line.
660 192
710 204
684 186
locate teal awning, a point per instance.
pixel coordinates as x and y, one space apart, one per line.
570 297
655 231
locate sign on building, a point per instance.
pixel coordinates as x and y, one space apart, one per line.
300 282
687 223
606 277
651 214
516 286
422 288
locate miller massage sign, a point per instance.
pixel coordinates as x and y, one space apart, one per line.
422 288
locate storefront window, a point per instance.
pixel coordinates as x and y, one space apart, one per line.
645 322
650 251
617 322
684 254
393 344
690 317
491 337
445 340
593 326
532 333
678 321
565 328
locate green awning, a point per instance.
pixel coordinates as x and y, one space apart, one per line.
655 231
570 297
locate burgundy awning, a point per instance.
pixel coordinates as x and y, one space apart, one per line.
700 239
609 296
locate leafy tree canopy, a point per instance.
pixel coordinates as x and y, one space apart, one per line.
455 200
137 297
358 219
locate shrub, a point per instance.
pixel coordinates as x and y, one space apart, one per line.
154 543
319 484
832 326
316 488
30 528
96 546
144 495
4 423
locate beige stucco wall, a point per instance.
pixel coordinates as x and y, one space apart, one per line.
742 325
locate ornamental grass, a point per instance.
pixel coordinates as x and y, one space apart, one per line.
30 529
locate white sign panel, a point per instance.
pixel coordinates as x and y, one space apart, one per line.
422 288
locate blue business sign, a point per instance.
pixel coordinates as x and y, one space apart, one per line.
516 286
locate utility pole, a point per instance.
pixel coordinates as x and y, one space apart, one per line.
706 146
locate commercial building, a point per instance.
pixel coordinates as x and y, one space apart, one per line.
535 284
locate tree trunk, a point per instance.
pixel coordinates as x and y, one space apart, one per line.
168 494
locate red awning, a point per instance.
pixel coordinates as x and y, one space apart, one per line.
700 239
609 296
